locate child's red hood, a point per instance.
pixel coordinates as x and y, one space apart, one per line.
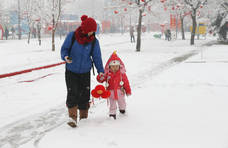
114 56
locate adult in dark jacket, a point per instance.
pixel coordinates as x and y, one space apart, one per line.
78 66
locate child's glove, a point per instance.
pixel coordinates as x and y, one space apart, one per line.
100 77
128 95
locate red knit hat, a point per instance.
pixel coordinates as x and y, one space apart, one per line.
88 24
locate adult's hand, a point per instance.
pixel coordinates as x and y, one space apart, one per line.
67 59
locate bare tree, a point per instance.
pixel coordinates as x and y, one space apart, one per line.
56 12
194 6
141 5
54 16
30 12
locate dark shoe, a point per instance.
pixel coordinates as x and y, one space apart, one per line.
113 116
122 111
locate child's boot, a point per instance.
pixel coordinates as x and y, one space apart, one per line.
112 116
122 111
72 116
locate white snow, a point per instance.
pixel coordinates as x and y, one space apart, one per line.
175 103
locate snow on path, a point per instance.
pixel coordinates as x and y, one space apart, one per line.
35 124
184 106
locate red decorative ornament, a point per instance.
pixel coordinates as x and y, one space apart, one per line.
201 6
143 0
173 8
100 92
116 12
49 28
165 8
37 20
162 1
130 3
125 9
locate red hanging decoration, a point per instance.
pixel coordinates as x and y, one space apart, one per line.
149 8
37 19
130 3
173 8
100 92
49 28
143 0
125 9
116 12
162 1
201 6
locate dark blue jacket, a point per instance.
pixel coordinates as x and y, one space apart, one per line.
80 54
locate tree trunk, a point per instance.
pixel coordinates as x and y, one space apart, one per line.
29 36
139 30
39 37
19 20
53 40
193 27
39 32
53 33
182 28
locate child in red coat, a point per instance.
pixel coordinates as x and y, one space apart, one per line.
117 83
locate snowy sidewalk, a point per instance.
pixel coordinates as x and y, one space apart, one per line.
185 106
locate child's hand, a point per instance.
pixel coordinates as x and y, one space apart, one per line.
128 95
101 76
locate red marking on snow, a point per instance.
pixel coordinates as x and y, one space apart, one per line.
36 78
30 70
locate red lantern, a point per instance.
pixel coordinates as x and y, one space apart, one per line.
37 20
201 6
116 12
173 8
125 9
49 28
162 1
143 0
130 3
100 91
165 8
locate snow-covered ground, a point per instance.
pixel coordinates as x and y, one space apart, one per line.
179 97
